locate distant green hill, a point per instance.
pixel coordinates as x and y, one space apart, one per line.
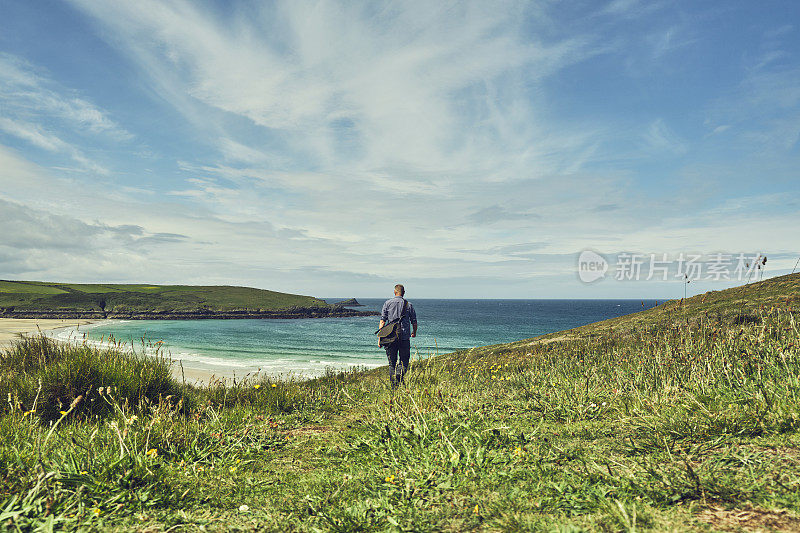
36 299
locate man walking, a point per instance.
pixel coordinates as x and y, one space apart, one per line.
393 309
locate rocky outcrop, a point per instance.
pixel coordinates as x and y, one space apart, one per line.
352 302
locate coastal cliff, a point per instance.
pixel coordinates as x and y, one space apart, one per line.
300 312
32 299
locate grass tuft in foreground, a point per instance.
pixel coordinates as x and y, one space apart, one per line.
44 378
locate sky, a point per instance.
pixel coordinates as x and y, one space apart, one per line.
465 149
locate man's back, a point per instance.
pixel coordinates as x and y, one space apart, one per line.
393 309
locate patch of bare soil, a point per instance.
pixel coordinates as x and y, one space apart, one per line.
751 519
307 430
552 339
784 452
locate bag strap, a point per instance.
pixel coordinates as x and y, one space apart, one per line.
403 312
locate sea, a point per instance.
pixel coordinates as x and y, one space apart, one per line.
307 347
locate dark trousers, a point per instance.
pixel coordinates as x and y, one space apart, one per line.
401 348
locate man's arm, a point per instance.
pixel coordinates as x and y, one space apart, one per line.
413 317
380 325
414 329
384 316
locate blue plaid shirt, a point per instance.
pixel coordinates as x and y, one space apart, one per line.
393 308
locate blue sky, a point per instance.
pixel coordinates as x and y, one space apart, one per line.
335 148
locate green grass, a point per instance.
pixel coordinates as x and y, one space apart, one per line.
18 287
661 422
47 377
21 296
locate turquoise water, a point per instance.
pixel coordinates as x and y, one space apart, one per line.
307 346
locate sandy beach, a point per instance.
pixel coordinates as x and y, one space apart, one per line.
11 328
201 377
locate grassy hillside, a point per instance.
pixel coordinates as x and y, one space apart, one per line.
715 309
19 297
660 421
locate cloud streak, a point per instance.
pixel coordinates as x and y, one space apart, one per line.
33 105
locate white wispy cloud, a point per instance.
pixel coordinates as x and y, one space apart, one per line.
369 88
33 134
660 136
364 115
39 111
40 138
26 91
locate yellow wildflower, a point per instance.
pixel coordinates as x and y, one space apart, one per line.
152 452
63 413
274 385
96 512
257 386
390 479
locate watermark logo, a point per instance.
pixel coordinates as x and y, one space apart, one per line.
661 266
591 266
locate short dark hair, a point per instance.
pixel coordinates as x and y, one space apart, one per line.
399 288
